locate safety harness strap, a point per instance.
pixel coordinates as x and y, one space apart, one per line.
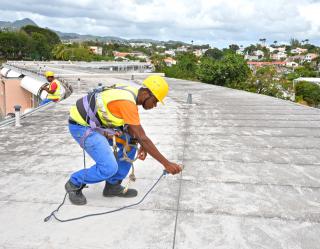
96 125
128 90
91 114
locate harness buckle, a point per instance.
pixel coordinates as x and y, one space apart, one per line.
114 146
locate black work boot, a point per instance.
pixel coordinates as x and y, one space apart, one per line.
111 190
75 194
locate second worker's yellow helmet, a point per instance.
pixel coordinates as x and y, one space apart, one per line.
49 74
158 86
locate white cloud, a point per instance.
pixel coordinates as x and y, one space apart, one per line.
311 14
215 22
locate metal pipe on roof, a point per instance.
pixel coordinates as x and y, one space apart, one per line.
17 109
79 85
189 99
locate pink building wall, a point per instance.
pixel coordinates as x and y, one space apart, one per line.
11 93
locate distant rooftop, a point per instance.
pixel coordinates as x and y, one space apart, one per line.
308 79
251 177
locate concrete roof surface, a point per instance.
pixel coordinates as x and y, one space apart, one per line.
251 177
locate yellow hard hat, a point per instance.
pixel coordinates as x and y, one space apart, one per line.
158 86
49 74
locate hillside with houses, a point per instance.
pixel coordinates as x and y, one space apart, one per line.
266 68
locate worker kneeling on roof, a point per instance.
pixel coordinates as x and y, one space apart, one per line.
117 108
54 89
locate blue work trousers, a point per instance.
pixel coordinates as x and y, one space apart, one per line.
107 167
45 101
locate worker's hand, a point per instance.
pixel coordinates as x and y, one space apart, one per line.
142 154
118 133
110 136
173 168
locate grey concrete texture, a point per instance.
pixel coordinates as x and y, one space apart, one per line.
251 176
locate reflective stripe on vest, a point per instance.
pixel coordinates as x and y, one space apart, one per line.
57 94
104 117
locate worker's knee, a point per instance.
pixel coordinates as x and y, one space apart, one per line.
108 169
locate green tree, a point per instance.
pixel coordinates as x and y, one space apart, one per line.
231 70
214 53
51 37
73 52
40 49
263 40
294 43
312 48
265 82
14 45
185 68
211 71
81 54
234 47
59 51
302 71
157 61
250 49
42 41
309 92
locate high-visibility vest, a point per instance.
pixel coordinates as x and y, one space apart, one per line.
57 94
100 101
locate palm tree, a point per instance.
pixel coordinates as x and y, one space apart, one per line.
294 43
263 41
275 43
58 51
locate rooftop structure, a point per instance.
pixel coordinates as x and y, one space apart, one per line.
170 61
266 63
299 50
84 68
308 79
251 177
96 50
310 57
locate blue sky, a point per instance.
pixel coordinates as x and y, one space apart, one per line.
215 22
